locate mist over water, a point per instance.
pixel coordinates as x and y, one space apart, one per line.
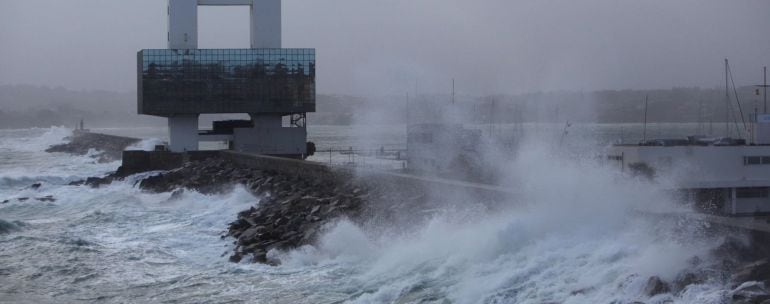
572 233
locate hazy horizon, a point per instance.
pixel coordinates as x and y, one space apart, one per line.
375 49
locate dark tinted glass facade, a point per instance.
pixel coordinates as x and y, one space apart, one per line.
226 81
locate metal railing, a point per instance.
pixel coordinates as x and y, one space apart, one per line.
381 158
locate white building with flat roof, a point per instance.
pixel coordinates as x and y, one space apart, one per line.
733 179
721 175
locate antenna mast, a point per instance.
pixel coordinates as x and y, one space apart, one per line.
764 85
453 91
644 130
727 102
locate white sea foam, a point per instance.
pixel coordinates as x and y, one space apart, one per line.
573 236
24 162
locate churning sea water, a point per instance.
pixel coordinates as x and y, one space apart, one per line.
573 237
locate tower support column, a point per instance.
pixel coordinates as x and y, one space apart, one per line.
183 133
265 24
268 136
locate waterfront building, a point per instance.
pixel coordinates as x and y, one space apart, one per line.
275 86
720 175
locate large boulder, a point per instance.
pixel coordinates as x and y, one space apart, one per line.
750 292
110 147
656 286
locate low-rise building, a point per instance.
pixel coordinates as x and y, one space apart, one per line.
721 175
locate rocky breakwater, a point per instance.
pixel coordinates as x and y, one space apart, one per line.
108 147
291 210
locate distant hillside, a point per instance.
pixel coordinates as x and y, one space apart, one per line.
665 105
30 106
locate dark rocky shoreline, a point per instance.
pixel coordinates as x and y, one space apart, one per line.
293 209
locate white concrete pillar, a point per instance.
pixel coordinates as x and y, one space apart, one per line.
183 133
265 24
182 24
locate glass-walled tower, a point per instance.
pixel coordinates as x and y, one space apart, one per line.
266 81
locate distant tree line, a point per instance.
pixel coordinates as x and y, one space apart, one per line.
30 106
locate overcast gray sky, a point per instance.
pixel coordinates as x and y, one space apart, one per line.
394 46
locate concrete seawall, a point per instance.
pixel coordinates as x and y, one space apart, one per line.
434 186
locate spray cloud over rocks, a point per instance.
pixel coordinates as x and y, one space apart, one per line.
574 232
570 230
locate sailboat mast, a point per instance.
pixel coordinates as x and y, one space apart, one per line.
700 117
408 111
727 102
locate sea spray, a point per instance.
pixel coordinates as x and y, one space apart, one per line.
574 233
25 161
42 139
146 144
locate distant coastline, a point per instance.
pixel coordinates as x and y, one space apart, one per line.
27 106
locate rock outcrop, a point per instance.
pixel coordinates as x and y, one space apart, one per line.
110 147
290 212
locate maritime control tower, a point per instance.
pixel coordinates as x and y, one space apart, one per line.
275 86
